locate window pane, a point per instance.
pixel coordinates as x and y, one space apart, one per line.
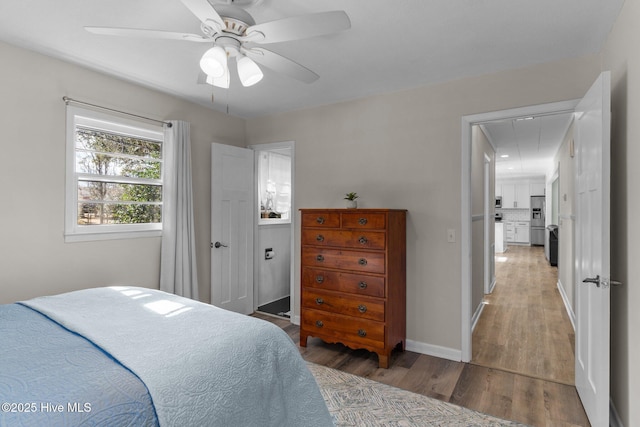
111 213
274 185
97 140
117 175
95 191
104 164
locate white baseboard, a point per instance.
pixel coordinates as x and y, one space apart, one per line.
295 320
434 350
493 285
567 305
476 316
614 418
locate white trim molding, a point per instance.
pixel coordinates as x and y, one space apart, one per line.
434 350
477 314
614 418
567 305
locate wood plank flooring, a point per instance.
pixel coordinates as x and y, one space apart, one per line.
492 383
499 393
524 327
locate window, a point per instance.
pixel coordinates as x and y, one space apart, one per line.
114 177
274 186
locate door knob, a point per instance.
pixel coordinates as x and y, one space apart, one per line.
218 245
606 283
595 280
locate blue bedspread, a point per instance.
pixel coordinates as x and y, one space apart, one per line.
202 366
51 377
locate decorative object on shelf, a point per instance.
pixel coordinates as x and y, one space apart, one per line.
352 203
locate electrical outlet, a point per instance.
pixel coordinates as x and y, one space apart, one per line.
451 235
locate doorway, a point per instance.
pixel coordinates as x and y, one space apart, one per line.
468 309
524 326
273 254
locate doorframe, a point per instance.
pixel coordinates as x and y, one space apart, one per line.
465 216
256 250
488 258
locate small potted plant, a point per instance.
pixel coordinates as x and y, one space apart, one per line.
351 200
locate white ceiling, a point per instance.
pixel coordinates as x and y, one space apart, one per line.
525 146
392 45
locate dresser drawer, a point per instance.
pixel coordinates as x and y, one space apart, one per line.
344 238
364 308
353 283
370 262
343 327
321 219
364 220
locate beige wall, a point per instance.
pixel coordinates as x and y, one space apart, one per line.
34 260
565 170
403 150
622 56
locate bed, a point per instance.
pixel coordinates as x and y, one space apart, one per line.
128 356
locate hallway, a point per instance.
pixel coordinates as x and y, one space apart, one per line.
524 327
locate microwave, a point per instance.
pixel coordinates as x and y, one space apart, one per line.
498 202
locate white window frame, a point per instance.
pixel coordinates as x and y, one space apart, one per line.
75 232
277 148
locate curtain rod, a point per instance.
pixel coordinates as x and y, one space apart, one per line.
67 100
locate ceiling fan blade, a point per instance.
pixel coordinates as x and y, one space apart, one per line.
299 27
203 10
281 64
148 34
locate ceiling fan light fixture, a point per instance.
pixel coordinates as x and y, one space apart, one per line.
221 82
214 62
248 71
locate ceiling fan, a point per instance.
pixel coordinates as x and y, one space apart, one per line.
234 34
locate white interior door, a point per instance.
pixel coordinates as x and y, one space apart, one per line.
232 216
592 154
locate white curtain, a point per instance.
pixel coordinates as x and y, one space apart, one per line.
178 272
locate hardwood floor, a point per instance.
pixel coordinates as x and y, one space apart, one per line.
508 395
524 327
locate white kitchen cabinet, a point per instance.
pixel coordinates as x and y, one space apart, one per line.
537 188
523 196
515 196
510 231
500 242
522 232
508 196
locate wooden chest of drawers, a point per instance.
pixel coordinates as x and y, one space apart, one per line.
353 278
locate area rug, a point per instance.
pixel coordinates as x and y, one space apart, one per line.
357 401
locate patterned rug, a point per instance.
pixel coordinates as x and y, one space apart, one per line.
357 401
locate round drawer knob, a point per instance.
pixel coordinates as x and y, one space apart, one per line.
362 332
319 258
362 221
320 238
362 308
319 323
362 261
362 285
319 279
319 301
320 220
363 240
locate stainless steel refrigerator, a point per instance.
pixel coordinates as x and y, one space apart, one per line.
537 220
